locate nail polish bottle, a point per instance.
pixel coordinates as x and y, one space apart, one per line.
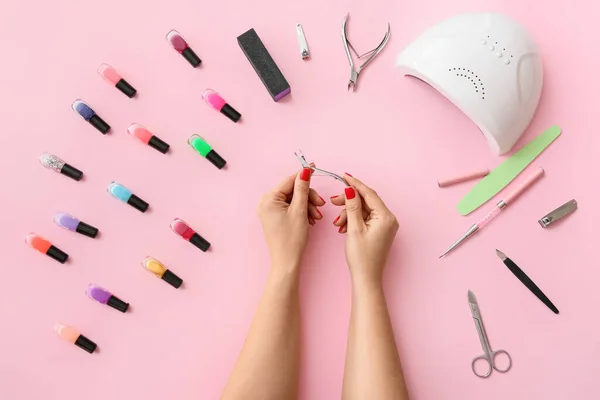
145 136
50 161
44 246
103 296
71 335
120 192
86 112
183 230
112 76
71 223
160 271
205 150
214 100
181 46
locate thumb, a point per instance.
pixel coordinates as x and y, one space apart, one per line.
299 202
354 210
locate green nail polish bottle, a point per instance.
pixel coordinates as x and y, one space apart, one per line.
205 150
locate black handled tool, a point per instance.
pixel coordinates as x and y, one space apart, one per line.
514 268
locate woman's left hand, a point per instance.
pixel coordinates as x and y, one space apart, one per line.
285 214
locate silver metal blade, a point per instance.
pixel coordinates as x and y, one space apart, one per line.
485 343
470 232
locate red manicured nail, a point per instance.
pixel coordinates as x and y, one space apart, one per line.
350 193
336 219
322 199
334 197
305 175
349 175
320 215
340 230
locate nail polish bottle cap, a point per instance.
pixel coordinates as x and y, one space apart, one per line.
71 172
117 304
126 88
57 254
158 144
216 159
191 57
172 279
137 203
231 113
200 242
86 344
87 230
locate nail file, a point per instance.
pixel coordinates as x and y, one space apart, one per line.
504 173
264 65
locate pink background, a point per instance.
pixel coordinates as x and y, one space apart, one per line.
395 133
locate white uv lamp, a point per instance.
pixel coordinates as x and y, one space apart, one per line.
487 65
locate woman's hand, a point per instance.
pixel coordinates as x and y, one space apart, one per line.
285 213
370 227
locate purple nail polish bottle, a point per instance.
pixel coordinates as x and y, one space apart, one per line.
103 296
71 223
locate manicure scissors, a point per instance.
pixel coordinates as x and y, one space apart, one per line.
306 164
354 72
489 356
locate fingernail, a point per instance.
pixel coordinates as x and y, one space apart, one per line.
320 215
349 175
340 230
334 197
323 200
336 219
350 193
305 175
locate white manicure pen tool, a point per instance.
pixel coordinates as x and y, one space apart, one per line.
499 207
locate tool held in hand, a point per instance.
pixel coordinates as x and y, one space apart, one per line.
320 172
497 209
354 72
522 276
489 356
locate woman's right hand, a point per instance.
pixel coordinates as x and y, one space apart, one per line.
370 229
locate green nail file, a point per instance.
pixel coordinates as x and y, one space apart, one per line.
504 173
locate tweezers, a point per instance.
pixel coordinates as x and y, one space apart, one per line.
306 164
525 280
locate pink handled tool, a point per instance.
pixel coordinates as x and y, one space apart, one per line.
463 178
512 196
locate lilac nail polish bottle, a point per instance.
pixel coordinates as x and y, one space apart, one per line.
103 296
71 223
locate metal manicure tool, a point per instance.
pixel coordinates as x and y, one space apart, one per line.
525 280
321 172
354 72
304 53
497 209
489 356
559 213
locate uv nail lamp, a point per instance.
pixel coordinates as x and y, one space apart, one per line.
487 65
